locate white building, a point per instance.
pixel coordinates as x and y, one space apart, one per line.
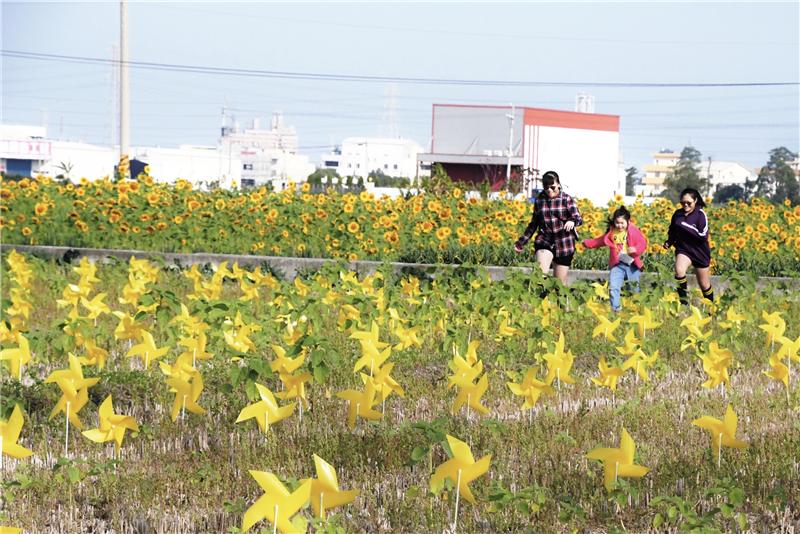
359 156
481 144
27 151
719 173
268 156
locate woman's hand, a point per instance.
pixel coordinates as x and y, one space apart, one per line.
666 245
632 250
517 247
569 226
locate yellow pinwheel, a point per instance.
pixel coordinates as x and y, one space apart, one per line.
723 433
127 328
407 337
94 355
146 349
774 326
461 469
470 395
618 462
789 350
504 329
605 328
696 319
95 306
715 364
266 411
277 505
385 385
325 492
74 390
371 358
464 371
644 321
18 356
370 336
639 362
187 391
732 319
9 434
282 364
778 371
608 375
530 389
631 343
294 386
360 403
559 363
196 346
112 426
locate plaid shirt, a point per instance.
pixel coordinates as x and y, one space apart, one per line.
549 216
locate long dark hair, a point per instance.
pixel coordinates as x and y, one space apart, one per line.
549 178
695 194
621 211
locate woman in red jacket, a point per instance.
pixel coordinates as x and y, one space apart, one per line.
626 244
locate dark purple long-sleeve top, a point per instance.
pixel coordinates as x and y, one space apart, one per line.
689 235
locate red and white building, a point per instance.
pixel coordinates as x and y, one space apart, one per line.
475 144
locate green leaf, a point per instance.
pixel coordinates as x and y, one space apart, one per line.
73 474
658 520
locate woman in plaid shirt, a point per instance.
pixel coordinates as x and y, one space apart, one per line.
555 215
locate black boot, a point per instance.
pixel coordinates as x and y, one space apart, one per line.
682 289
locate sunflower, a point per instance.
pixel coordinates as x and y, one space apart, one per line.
353 227
40 208
26 231
443 233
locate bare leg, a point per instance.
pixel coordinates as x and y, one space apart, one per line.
561 273
704 281
682 263
545 258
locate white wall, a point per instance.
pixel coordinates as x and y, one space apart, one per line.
360 156
587 161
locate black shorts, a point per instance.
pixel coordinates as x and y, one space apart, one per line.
566 261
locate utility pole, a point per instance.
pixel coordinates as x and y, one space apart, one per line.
124 110
510 143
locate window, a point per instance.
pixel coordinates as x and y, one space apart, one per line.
331 163
386 166
395 166
247 167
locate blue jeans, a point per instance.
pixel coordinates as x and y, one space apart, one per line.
619 273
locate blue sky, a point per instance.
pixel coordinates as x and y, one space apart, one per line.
587 42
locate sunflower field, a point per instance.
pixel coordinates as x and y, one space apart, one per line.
756 237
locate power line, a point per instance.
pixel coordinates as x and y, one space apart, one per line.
258 73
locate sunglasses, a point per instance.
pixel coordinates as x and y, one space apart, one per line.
687 202
552 187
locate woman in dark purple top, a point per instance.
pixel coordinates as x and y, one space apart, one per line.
688 233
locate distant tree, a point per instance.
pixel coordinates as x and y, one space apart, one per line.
729 192
315 178
776 180
439 182
631 180
686 173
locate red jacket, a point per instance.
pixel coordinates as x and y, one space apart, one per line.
635 239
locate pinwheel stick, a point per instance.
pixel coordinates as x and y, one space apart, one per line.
719 452
1 453
616 472
275 523
183 409
321 507
194 357
458 494
66 433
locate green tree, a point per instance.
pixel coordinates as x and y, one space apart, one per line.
686 173
777 180
315 178
729 192
631 179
